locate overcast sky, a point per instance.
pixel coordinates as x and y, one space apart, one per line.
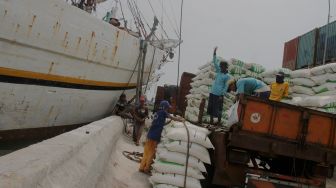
250 30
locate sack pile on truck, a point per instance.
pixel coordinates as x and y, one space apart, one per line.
314 88
169 165
202 83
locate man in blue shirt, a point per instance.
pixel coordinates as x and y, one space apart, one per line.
154 135
249 86
218 90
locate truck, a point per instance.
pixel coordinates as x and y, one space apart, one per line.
274 145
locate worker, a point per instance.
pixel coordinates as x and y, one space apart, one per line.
140 113
249 86
279 88
218 89
122 106
154 135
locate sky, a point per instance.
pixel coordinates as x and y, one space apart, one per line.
251 30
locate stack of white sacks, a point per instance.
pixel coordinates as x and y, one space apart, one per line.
201 87
169 165
315 88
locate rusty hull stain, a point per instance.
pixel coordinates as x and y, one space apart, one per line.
17 28
78 43
51 67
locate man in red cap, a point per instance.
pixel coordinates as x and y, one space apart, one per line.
140 112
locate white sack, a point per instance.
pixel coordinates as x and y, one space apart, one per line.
303 90
321 79
302 73
325 87
233 115
177 124
195 150
174 179
173 168
179 158
197 137
318 70
164 186
316 101
332 77
303 82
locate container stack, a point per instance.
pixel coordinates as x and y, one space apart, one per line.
169 165
201 87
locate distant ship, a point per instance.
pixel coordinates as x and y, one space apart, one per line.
61 67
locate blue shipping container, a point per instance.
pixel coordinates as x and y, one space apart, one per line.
331 43
306 50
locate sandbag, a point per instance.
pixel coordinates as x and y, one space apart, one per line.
327 93
303 90
170 156
195 150
177 124
197 137
174 168
303 82
332 78
332 66
268 80
236 69
317 101
255 68
174 179
164 186
300 95
321 79
232 115
319 70
302 73
237 62
325 87
208 64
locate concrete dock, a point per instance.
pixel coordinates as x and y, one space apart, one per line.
90 156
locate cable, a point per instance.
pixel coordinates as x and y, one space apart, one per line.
187 157
122 13
179 57
150 4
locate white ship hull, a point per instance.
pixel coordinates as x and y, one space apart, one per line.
61 66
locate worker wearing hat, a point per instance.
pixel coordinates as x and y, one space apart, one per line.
249 86
218 88
279 88
154 135
140 112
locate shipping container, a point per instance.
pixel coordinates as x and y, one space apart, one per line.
331 43
167 92
290 54
306 50
184 90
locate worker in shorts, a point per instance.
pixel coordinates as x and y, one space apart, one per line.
279 88
249 86
218 89
154 135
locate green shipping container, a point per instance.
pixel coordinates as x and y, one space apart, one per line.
306 50
331 43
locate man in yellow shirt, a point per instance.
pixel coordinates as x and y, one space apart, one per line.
279 89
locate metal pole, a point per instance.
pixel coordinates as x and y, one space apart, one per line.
138 88
326 35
